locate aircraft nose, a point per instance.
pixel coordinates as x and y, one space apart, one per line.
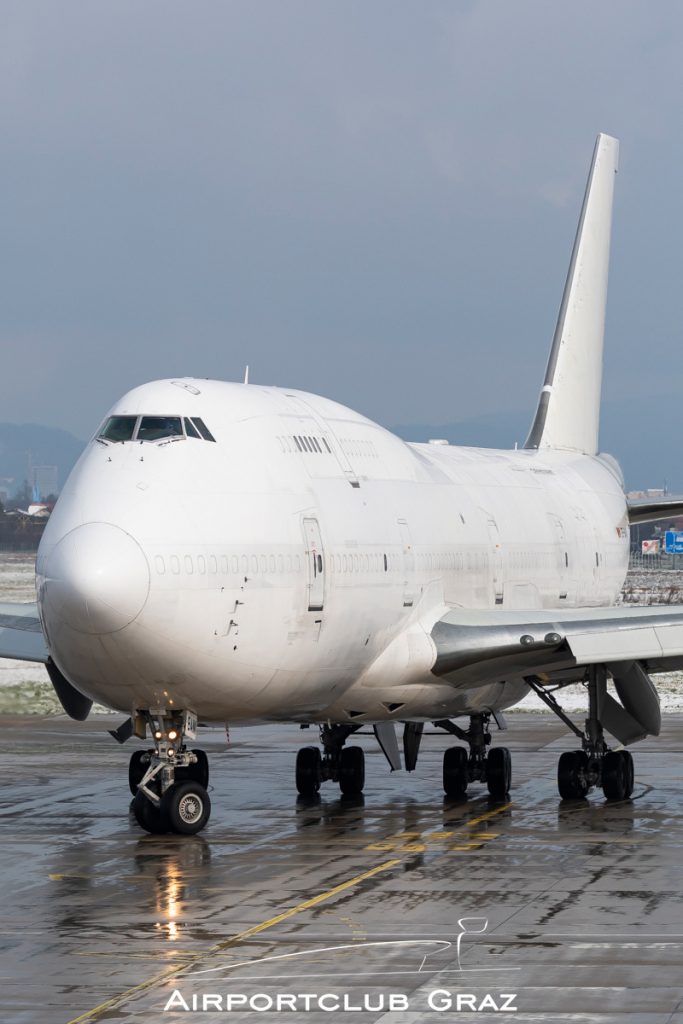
96 579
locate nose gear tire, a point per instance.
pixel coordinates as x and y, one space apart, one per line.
150 817
187 807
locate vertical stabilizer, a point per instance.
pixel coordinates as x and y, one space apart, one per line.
568 414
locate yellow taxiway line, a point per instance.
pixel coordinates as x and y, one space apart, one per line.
111 1004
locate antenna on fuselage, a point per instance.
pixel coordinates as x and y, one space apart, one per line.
246 374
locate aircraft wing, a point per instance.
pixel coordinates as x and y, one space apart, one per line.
651 510
21 634
555 647
486 646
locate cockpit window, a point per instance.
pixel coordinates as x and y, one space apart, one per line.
203 429
118 428
190 429
154 428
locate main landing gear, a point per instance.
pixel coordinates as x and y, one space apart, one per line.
460 767
169 782
594 765
345 765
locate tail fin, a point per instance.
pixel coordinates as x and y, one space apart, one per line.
568 414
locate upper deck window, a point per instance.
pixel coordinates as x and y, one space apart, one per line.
118 428
154 428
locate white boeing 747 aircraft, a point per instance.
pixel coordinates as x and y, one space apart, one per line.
237 553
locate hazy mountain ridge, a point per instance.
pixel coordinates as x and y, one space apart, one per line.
643 436
49 446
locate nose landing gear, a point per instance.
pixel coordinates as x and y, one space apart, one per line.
169 782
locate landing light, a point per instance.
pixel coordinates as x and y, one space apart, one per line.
158 734
173 735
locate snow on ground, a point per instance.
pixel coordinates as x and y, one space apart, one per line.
26 688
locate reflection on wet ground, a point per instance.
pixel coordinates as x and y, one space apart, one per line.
575 908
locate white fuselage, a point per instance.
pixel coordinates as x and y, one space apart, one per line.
293 568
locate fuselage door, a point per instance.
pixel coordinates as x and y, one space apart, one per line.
408 562
561 554
315 559
496 558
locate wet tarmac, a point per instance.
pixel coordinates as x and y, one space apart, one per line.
398 908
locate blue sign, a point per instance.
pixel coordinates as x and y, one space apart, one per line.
673 542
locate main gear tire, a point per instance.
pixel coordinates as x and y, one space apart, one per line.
455 772
571 775
352 771
498 772
308 771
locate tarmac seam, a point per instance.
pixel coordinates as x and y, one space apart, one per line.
111 1004
116 1001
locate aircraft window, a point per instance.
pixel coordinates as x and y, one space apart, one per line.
203 429
320 563
306 444
154 428
327 446
118 428
296 442
190 429
385 563
317 446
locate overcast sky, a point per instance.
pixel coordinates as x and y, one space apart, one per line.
371 200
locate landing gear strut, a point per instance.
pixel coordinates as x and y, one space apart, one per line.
169 782
460 767
579 771
345 765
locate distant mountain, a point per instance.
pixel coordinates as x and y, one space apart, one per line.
643 435
47 446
